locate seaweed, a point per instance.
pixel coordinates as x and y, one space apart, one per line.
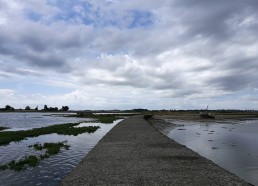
65 129
33 160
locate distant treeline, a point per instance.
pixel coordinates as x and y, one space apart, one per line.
28 108
137 110
164 110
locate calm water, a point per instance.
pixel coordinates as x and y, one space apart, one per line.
232 145
28 120
52 170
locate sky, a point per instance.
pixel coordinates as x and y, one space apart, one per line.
126 54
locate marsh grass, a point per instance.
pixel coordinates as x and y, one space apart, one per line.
65 129
51 148
106 119
102 118
32 160
36 146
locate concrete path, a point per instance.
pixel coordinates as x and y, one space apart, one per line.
135 153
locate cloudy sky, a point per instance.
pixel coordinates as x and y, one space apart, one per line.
124 54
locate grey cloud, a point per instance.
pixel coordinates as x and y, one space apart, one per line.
11 70
233 82
209 18
235 74
57 37
44 60
181 93
41 46
242 64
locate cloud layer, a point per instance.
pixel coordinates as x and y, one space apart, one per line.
126 54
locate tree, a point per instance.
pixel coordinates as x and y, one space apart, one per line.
65 108
37 108
8 107
52 109
27 108
45 107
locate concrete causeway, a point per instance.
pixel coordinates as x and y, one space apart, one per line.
136 153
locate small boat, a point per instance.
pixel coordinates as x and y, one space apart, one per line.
206 114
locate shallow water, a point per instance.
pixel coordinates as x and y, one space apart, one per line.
52 170
29 120
232 145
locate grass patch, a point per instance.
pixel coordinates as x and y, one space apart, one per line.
36 146
32 160
51 148
28 161
54 148
3 128
102 118
66 129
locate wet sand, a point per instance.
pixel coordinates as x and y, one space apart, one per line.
136 153
219 116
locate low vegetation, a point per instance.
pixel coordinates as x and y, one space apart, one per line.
32 160
51 148
65 129
102 118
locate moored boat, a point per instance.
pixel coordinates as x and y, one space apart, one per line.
206 114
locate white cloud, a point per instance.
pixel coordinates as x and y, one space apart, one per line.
6 92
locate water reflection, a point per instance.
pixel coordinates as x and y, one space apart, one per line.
232 146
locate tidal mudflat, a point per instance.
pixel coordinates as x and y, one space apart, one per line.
231 144
51 170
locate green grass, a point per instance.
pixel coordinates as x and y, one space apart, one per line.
106 119
32 160
51 148
3 128
65 129
102 118
37 146
54 148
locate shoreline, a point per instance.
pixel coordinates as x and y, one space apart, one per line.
219 116
135 153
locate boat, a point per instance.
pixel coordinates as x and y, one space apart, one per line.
206 114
